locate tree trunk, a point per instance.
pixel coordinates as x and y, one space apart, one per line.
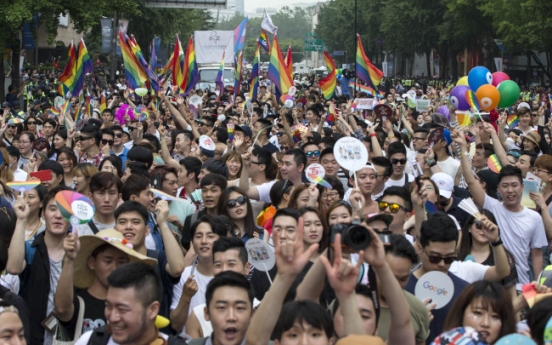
528 81
428 63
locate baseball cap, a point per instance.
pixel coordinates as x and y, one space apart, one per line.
245 129
445 184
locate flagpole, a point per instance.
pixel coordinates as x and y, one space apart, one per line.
356 47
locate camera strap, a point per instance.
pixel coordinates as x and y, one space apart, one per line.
372 283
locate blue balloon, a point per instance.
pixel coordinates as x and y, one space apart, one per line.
458 97
478 76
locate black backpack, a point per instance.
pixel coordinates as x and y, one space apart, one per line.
100 336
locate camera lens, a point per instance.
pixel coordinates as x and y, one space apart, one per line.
357 237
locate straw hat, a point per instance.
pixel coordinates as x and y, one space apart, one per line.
84 276
533 136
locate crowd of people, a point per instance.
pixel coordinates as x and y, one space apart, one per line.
180 187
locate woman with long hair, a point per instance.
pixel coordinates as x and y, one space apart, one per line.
31 124
306 195
280 193
486 307
331 195
34 198
82 173
6 174
233 161
340 212
235 204
315 230
476 247
66 157
113 165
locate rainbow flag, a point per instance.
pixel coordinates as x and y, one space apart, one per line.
238 73
472 100
168 67
254 78
54 112
365 71
513 121
494 164
89 110
79 114
152 82
134 74
219 80
177 63
103 103
239 35
263 41
329 83
67 78
289 62
84 66
362 88
277 71
330 119
66 108
191 74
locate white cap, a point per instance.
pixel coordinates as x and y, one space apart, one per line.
445 184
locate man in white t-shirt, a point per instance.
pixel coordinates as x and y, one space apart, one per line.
132 303
397 156
521 229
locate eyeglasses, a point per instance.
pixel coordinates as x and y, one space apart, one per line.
203 124
106 141
393 207
81 138
241 200
31 123
396 161
119 135
311 154
435 259
542 170
330 195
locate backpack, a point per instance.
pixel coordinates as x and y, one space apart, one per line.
29 256
100 336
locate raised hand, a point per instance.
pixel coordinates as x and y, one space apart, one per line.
21 208
290 256
162 209
71 245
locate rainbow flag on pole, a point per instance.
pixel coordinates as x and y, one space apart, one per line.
239 35
67 78
263 41
219 80
362 87
152 82
103 103
329 83
177 63
365 71
289 62
84 66
254 79
277 71
134 74
238 73
191 73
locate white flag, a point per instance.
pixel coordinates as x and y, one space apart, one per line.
268 25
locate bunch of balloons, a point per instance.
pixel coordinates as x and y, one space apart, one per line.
484 91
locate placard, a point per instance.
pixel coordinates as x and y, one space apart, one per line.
75 207
365 103
260 254
435 136
383 111
206 142
350 153
436 286
422 104
315 174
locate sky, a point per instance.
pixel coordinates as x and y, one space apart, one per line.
251 5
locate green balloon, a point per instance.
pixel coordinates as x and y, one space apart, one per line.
509 93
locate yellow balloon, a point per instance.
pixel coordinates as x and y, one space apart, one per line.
161 322
463 81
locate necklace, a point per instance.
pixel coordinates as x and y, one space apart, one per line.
32 234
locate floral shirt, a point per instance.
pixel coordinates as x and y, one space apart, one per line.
96 160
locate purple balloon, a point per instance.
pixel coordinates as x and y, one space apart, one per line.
458 97
443 110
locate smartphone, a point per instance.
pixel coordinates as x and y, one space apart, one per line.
43 175
157 182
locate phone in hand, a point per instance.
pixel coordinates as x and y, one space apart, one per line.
42 175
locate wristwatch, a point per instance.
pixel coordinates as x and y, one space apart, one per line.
498 242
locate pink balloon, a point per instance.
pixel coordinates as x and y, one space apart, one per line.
499 77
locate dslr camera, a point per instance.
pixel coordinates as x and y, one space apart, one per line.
354 236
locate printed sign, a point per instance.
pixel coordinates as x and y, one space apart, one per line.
260 255
434 136
422 104
75 207
365 103
383 111
195 100
350 153
206 142
436 286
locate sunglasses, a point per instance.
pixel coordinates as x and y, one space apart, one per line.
81 138
311 154
31 123
119 135
478 225
241 200
280 134
11 126
106 141
130 129
393 207
201 124
284 148
435 259
396 161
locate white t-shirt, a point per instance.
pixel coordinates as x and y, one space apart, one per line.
350 190
468 270
449 166
19 175
84 229
400 182
520 232
199 297
264 191
83 340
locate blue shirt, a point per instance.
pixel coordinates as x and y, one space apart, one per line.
122 156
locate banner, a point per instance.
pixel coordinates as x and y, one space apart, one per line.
498 64
123 25
209 46
107 35
422 104
365 103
